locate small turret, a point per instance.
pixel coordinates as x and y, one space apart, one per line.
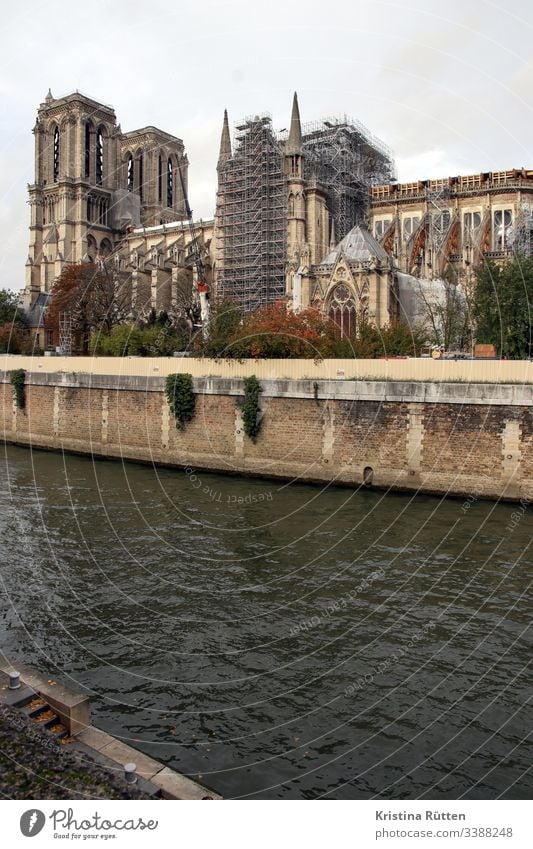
225 141
49 97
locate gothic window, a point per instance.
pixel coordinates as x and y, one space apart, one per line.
342 310
409 226
99 156
91 248
471 222
105 248
141 178
87 149
56 154
160 180
291 205
381 227
170 184
130 173
503 221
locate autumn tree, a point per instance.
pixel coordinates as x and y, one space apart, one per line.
93 296
14 336
279 333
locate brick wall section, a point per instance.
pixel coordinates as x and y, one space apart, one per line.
369 433
37 417
302 433
211 431
134 419
6 405
526 430
463 440
80 414
457 445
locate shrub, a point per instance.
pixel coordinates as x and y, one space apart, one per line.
18 380
181 398
250 408
127 340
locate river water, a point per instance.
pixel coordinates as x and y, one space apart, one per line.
276 640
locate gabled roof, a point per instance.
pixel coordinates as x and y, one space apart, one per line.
357 246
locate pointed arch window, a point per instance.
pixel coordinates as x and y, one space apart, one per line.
170 183
99 156
56 154
342 310
87 149
160 180
141 176
130 173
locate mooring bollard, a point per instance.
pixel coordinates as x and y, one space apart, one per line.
14 680
129 773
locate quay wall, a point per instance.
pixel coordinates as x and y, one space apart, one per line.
471 439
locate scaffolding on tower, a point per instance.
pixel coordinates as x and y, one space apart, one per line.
251 240
65 334
252 217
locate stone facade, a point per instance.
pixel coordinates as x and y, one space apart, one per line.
438 228
475 440
101 194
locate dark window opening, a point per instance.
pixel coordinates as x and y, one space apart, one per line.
56 154
99 156
130 173
141 175
170 184
87 149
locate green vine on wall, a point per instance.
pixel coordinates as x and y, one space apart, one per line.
250 408
18 379
181 398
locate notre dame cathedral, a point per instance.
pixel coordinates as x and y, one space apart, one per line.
101 194
311 214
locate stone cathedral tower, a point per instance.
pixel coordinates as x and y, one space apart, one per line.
94 185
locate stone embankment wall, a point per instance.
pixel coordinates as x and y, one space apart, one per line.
455 438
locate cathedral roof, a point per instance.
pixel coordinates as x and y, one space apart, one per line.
357 246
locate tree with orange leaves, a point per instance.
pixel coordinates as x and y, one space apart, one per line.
93 297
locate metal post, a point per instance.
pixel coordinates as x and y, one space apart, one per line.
129 773
14 680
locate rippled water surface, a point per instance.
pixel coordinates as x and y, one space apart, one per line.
277 640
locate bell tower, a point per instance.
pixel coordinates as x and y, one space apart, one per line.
76 170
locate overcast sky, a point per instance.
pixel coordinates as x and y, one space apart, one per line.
447 85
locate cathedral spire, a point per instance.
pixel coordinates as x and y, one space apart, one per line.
294 142
225 141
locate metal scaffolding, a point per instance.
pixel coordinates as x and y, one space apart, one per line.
346 159
340 155
521 235
65 334
252 217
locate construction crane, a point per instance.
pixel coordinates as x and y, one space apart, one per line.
201 311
